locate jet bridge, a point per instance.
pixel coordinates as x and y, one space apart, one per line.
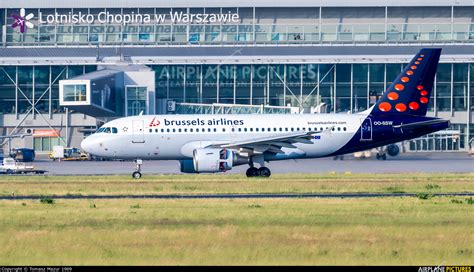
110 92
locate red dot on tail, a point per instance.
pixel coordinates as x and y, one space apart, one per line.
424 93
399 87
405 79
401 107
413 105
424 100
392 96
385 106
409 72
419 87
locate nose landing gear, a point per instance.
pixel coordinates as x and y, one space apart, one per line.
137 174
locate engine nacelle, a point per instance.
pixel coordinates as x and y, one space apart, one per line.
212 160
393 150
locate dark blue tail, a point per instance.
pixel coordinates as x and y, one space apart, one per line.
410 92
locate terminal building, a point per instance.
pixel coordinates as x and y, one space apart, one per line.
66 67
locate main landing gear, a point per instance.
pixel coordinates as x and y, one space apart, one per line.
137 174
253 171
381 155
258 172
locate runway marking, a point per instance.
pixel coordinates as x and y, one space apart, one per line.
229 196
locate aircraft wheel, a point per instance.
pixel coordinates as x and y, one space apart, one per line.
264 172
136 175
378 156
252 172
384 157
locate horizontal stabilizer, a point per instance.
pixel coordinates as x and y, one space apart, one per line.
421 124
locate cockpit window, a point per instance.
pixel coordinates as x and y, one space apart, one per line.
113 130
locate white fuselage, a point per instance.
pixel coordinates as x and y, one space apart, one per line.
174 137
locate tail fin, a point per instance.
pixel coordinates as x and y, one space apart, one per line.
410 92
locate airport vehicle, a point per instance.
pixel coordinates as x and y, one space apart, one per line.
68 154
11 166
216 143
23 154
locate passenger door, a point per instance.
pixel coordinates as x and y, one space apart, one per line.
138 135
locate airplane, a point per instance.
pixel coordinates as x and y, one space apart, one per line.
216 143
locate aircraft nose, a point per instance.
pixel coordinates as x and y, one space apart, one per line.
86 145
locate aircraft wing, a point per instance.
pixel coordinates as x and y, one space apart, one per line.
272 144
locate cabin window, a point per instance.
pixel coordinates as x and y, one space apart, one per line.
114 130
251 129
223 129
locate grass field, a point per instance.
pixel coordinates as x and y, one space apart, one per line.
395 230
222 183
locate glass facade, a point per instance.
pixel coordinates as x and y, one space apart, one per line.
136 100
342 87
21 87
255 26
46 143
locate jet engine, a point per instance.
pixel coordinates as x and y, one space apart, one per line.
211 160
393 150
